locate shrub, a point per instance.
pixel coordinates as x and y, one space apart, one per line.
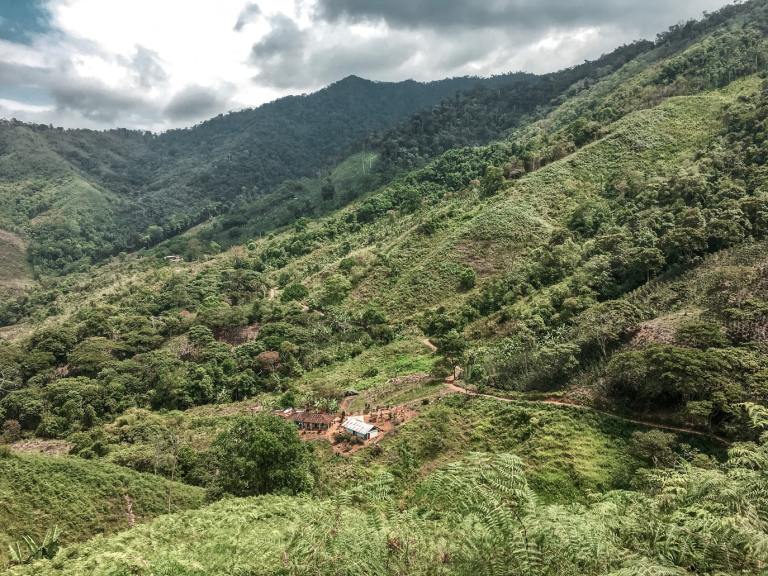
294 292
702 335
492 181
654 447
467 279
11 431
260 455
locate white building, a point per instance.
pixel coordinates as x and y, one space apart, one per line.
356 426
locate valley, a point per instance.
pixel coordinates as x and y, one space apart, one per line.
512 325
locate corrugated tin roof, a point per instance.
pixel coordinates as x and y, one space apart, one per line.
312 417
357 424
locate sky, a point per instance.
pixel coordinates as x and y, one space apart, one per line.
160 64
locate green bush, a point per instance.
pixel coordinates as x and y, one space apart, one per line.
260 455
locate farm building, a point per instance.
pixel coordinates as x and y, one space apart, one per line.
311 420
356 426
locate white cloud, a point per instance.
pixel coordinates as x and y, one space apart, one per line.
12 107
162 63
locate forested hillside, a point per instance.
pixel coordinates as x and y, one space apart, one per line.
560 333
78 196
470 117
81 195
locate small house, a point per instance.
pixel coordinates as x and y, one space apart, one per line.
174 258
312 420
356 426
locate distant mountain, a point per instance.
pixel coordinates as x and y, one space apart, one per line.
78 195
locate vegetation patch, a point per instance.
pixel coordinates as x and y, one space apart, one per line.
82 498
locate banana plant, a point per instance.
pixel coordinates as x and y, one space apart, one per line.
28 550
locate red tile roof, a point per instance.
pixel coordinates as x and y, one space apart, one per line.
312 417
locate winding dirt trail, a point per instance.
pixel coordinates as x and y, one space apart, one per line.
129 515
680 430
428 343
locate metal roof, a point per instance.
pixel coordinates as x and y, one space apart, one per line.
356 424
312 417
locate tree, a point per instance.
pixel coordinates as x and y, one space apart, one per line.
588 217
605 324
700 412
372 316
201 336
701 334
655 447
492 181
328 191
452 347
295 291
262 454
89 417
335 290
54 340
91 355
154 234
687 240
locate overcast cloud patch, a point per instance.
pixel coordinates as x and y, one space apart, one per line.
248 14
144 64
98 102
195 102
148 68
515 14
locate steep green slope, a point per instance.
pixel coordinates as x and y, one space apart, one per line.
83 498
81 195
291 200
610 253
470 118
15 273
488 235
474 516
518 264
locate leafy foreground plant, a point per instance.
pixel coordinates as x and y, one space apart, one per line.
47 548
477 516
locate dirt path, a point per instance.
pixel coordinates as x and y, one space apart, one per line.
41 446
680 430
428 343
129 515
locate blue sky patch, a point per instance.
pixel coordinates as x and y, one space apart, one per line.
22 20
